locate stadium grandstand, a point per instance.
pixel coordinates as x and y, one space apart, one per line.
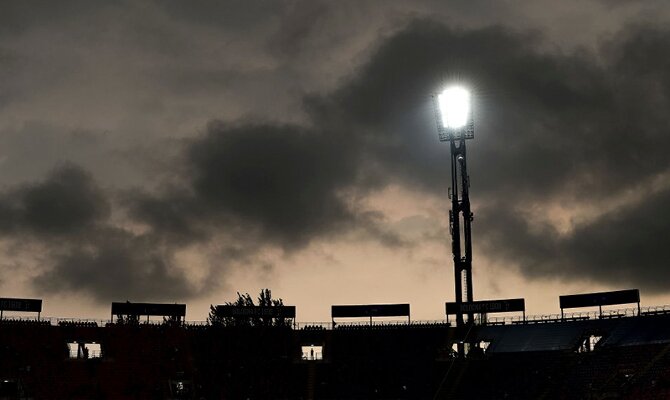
622 353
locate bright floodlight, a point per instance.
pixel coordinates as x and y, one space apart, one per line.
454 105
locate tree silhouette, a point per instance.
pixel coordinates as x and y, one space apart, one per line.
244 300
131 319
172 320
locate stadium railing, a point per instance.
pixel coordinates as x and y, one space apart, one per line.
379 324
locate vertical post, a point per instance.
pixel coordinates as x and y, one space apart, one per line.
600 309
467 219
460 208
456 232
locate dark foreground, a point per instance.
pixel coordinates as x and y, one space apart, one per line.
631 360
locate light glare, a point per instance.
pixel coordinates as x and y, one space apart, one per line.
455 107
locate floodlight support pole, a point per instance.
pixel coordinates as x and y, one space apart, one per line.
455 220
461 213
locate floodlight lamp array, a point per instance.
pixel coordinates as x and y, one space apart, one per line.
453 113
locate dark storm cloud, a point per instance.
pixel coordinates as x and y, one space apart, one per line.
69 214
625 247
638 53
298 25
114 264
277 185
173 214
67 202
283 179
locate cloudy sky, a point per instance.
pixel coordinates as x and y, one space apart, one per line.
183 151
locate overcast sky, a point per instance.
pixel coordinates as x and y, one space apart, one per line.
184 151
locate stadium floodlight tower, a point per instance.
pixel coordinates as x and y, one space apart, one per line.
455 125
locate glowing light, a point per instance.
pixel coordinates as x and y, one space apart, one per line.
454 103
